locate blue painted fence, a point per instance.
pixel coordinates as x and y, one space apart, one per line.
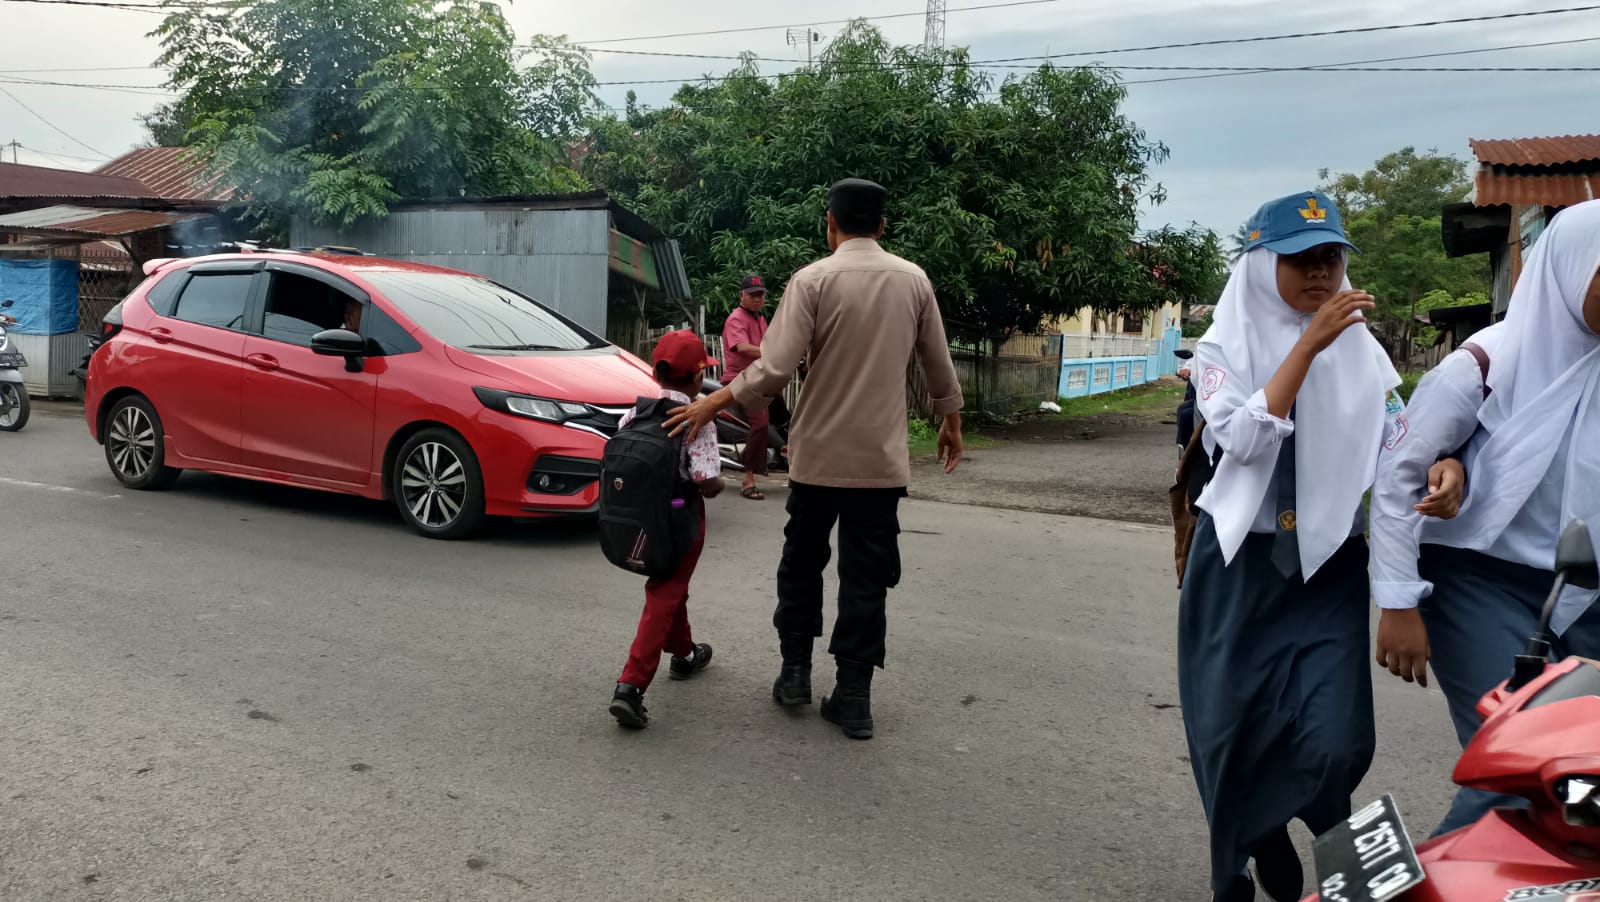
1092 375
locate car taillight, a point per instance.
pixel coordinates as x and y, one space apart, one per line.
109 327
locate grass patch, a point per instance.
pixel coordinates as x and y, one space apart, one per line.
1152 397
924 438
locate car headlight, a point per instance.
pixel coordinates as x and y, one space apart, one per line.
530 406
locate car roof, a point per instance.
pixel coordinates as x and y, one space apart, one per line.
329 260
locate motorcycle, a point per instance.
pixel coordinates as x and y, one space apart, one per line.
733 431
1540 740
14 403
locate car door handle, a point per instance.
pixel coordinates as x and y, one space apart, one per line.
262 361
161 335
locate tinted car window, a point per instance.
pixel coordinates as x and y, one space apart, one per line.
163 296
215 299
468 312
382 331
299 307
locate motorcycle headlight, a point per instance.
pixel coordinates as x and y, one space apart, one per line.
1580 800
530 406
3 339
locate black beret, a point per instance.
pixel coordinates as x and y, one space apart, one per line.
858 197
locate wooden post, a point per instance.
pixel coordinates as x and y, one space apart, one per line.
1514 240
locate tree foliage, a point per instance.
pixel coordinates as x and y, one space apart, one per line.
1019 199
1392 213
334 110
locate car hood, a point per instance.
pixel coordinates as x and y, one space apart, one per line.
606 376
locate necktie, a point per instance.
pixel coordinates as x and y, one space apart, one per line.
1285 544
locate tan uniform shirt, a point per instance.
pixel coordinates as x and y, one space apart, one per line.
856 317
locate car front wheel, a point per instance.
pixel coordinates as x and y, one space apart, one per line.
438 485
136 446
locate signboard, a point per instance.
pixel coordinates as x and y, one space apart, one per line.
1530 225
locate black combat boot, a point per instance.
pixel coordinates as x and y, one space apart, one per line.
794 680
850 705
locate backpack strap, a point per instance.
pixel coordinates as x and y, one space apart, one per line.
1482 356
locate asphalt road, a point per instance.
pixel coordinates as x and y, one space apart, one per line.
235 691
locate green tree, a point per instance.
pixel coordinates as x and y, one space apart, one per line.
1020 200
1392 213
334 111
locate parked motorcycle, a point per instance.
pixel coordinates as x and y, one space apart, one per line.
1540 740
733 431
14 403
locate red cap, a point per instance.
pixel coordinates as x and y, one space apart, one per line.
683 352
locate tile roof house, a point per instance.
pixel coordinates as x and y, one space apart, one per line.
1519 185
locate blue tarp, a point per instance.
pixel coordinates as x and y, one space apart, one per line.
46 295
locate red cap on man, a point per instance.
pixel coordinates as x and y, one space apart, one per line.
684 354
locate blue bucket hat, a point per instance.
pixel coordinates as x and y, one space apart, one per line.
1296 223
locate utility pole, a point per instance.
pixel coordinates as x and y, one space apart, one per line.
13 145
811 39
933 37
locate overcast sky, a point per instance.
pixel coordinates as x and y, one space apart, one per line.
1235 141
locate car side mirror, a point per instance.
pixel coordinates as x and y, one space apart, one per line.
1575 556
341 343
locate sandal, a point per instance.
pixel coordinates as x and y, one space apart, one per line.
752 493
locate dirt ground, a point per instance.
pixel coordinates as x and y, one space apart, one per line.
1114 466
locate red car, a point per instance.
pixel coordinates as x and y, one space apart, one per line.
456 397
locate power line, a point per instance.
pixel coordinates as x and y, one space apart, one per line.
77 69
918 14
1209 43
57 128
57 154
143 90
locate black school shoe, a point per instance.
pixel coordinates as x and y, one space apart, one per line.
1242 889
627 706
681 669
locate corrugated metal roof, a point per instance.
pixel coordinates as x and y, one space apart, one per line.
1537 151
19 180
1494 187
169 172
89 221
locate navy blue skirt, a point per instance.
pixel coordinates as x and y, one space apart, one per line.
1276 688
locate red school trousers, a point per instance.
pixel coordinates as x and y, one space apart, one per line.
664 625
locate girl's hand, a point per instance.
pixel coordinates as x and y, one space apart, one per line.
1338 314
1446 481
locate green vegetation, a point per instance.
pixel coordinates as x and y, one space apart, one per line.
1151 398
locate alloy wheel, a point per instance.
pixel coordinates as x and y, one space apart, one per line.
433 485
132 440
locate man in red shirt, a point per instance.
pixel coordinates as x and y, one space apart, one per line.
742 333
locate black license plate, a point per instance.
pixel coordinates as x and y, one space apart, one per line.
13 359
1368 858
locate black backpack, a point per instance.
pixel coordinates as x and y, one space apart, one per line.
647 514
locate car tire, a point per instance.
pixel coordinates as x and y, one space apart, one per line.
136 448
18 407
438 485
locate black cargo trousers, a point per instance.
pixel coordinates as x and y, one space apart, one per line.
869 566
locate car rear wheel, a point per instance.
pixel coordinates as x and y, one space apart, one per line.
14 407
136 446
438 485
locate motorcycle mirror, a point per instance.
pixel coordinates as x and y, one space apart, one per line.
1183 354
8 302
1575 566
1575 556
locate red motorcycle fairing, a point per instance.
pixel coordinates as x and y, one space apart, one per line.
1530 739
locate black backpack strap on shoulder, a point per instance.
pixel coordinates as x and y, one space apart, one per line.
1482 356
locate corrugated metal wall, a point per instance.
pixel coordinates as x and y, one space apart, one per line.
558 257
51 359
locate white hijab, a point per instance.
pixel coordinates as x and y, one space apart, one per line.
1337 433
1544 372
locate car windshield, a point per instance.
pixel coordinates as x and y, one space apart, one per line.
472 313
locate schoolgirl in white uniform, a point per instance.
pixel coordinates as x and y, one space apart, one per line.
1471 593
1273 620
